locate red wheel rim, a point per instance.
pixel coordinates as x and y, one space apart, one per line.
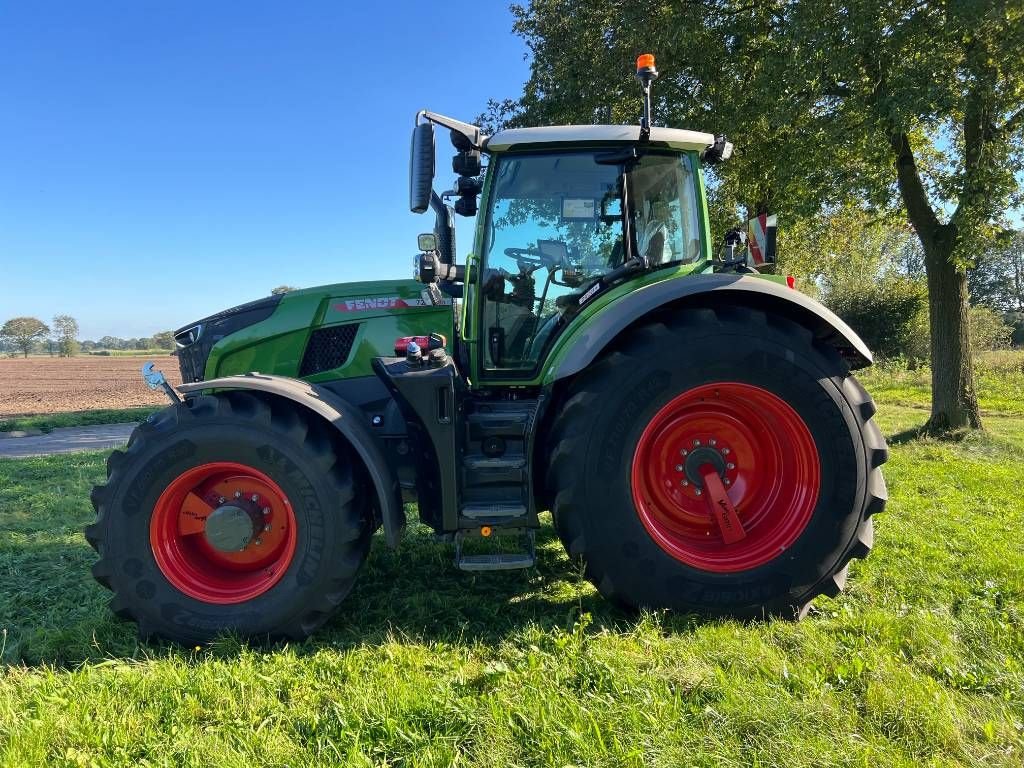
768 466
197 568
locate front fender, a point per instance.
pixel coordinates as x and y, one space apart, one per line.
581 347
344 417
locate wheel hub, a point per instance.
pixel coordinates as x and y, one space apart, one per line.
700 457
231 527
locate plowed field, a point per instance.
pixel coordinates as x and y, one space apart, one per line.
53 385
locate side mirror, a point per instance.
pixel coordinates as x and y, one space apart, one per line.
421 167
761 239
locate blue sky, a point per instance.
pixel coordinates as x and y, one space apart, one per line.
163 160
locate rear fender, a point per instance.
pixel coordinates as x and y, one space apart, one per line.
583 346
341 415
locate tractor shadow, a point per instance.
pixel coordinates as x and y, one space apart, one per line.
416 593
52 613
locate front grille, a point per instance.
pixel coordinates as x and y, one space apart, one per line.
328 348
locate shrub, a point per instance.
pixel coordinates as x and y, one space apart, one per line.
988 330
887 313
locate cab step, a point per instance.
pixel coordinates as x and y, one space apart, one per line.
496 561
495 513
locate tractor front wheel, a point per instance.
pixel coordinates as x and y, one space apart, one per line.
720 460
230 513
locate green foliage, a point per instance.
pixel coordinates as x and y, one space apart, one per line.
997 277
23 332
884 312
65 332
988 330
920 662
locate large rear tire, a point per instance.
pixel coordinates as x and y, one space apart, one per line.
772 411
230 513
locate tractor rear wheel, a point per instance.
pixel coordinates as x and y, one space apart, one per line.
230 513
722 461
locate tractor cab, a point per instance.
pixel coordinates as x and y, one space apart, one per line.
565 214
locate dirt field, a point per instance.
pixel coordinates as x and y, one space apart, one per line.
53 385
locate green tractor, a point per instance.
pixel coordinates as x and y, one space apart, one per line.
691 423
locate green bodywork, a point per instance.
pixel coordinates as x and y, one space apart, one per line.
276 345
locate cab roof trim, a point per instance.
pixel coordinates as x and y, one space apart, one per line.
561 134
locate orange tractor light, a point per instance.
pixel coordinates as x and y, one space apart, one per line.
645 61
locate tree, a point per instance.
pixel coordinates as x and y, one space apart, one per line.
65 332
282 289
909 105
164 340
23 332
997 277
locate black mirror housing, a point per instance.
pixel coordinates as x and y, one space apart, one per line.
421 167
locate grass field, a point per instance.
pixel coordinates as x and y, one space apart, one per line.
920 662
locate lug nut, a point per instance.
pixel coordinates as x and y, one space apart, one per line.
238 494
258 542
266 511
679 467
685 482
730 465
696 443
683 452
725 451
727 481
697 491
267 527
254 498
221 500
712 441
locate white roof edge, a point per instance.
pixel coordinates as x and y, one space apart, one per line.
673 137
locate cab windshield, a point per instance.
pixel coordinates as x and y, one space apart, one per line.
556 225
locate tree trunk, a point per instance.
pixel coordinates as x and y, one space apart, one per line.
954 400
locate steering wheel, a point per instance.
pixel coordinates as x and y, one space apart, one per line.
527 255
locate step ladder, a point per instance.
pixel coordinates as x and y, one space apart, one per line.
497 561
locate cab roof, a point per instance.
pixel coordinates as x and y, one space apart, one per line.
516 138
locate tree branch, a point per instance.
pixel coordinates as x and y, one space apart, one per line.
1013 122
915 198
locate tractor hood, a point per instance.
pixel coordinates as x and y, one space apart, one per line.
313 332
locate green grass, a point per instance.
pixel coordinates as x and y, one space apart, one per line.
47 422
999 378
919 662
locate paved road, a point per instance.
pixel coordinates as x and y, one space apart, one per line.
66 440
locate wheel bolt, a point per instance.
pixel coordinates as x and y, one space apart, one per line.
254 498
267 527
679 467
258 542
221 500
683 452
725 451
712 441
696 443
697 491
685 482
238 494
266 511
727 481
730 465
